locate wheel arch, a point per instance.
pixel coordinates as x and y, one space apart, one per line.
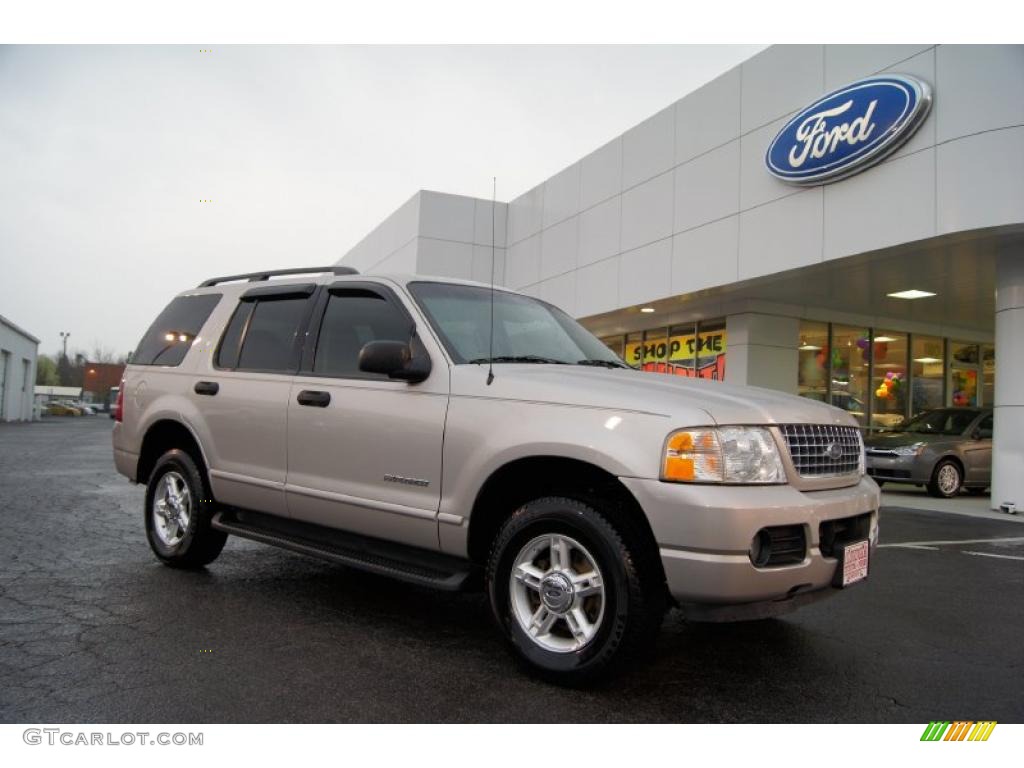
161 436
953 457
517 481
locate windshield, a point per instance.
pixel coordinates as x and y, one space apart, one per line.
950 421
525 330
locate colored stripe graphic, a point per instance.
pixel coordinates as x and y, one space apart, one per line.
982 731
959 730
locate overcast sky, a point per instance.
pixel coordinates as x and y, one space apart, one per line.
106 152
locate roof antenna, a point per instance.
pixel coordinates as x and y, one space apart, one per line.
490 351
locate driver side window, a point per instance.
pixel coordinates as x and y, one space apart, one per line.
353 318
985 428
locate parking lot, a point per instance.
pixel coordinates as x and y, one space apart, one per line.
93 629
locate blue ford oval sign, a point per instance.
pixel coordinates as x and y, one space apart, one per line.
849 130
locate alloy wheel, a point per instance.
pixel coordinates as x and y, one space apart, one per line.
172 508
557 593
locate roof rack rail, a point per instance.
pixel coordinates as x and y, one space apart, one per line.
255 277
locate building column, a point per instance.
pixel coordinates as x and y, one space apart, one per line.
762 351
1008 441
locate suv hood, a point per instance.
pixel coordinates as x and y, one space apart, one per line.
690 402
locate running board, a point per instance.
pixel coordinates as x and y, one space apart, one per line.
399 561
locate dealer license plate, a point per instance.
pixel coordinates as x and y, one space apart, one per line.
855 563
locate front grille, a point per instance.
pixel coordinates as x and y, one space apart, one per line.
811 448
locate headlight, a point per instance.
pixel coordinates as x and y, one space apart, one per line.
722 455
909 450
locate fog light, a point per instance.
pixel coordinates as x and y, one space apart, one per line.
760 549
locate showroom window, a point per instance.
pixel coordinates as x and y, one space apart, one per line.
963 373
690 349
849 384
882 376
988 373
812 379
928 378
890 388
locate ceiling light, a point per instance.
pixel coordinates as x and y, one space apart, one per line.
884 339
927 360
647 310
913 293
808 348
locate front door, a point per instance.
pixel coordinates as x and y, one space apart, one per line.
364 451
978 453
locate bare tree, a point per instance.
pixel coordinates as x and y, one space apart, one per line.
102 354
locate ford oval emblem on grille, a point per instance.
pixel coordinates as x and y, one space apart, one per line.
834 451
849 129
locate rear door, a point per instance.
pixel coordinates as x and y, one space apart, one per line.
364 451
242 396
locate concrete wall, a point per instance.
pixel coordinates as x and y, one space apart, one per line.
682 201
18 350
439 234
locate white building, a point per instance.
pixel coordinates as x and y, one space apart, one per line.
17 371
677 234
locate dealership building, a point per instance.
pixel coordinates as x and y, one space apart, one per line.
845 223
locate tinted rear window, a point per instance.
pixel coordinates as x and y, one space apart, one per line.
172 333
269 340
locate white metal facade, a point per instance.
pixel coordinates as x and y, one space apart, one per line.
17 372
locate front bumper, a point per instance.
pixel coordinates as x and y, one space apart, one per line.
898 469
704 535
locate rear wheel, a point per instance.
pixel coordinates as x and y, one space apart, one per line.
179 507
573 590
947 480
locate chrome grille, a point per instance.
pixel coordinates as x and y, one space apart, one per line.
811 448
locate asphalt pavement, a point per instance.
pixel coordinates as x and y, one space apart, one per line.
93 629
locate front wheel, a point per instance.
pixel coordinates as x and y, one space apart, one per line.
947 480
179 506
575 593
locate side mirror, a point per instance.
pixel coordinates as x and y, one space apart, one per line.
395 360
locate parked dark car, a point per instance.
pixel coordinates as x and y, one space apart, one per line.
946 450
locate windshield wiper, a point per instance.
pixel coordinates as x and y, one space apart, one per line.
602 363
518 359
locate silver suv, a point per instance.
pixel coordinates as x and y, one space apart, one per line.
449 435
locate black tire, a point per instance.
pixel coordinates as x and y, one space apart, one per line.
634 588
200 543
941 490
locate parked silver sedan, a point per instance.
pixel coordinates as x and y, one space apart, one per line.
946 450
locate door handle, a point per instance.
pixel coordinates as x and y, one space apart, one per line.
206 387
314 398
